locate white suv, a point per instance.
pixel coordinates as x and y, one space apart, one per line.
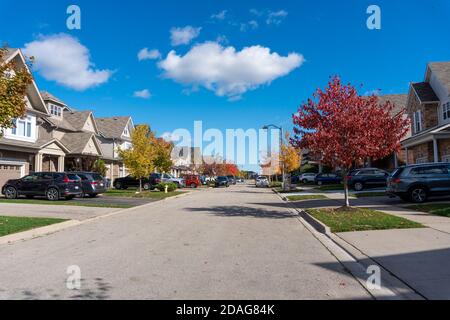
307 177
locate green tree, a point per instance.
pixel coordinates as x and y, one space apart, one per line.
13 85
163 149
139 159
99 167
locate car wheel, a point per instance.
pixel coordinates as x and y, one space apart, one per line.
118 186
305 181
418 194
193 185
146 186
319 183
358 186
52 194
11 193
93 195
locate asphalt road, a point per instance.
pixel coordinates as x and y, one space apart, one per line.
235 243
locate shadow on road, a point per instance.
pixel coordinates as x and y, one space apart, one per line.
241 211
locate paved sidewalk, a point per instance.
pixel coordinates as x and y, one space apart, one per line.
419 257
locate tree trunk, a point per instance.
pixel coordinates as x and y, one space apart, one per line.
140 185
347 202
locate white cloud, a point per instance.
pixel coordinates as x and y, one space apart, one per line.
276 17
145 54
219 16
62 58
226 71
144 94
179 36
252 24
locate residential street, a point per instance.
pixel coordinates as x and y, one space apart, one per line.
235 243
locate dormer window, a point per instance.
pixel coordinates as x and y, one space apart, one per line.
446 110
55 110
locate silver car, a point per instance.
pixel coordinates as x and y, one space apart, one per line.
262 182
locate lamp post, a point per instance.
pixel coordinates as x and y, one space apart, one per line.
266 127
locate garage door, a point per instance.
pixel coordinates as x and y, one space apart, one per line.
8 171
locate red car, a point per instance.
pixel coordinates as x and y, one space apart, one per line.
192 181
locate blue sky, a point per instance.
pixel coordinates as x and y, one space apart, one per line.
331 36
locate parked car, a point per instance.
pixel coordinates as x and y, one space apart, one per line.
156 178
231 179
222 181
192 181
92 183
52 185
327 178
359 179
416 183
262 182
307 178
131 182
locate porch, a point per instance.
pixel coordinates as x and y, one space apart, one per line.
433 146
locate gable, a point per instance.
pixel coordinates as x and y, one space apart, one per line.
90 125
92 147
33 96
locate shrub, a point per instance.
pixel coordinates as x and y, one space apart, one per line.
170 186
276 184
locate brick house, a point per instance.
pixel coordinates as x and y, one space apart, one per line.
428 107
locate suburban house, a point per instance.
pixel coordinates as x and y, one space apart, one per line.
54 137
186 160
114 134
428 107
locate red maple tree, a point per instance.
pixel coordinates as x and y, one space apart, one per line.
345 127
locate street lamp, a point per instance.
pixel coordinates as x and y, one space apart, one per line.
267 127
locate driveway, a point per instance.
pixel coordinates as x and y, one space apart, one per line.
235 243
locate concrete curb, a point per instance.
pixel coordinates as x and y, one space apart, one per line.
38 232
43 231
352 259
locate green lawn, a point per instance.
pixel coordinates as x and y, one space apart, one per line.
330 187
280 190
10 225
439 209
306 197
145 194
360 219
370 194
66 203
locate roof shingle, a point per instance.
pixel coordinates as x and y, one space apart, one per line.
113 127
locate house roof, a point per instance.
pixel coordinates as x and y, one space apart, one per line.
77 141
49 97
60 123
9 53
399 101
24 144
112 127
425 92
76 119
442 71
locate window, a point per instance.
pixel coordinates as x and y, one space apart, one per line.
417 121
23 127
430 170
446 110
55 110
126 132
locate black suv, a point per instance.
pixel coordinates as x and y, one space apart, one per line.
92 183
359 179
131 182
418 182
52 185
